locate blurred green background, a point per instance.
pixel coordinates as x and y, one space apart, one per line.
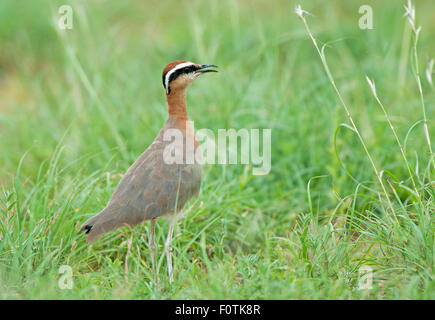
78 106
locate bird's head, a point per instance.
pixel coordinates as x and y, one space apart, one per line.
179 74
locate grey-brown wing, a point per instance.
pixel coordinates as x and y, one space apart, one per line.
149 189
155 189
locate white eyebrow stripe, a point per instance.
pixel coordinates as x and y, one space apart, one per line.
177 67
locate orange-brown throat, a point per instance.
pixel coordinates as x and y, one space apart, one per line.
178 111
176 101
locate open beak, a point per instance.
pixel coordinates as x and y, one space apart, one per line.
203 68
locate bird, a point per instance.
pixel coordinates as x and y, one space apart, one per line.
155 185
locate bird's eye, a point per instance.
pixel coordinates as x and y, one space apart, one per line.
189 70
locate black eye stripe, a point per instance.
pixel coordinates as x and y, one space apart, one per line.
177 73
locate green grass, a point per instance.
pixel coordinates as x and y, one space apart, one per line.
78 107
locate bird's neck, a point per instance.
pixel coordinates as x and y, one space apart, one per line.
178 113
177 108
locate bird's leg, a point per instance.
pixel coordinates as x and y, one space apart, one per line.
130 241
168 247
152 246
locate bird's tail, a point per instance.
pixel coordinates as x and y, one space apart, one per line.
107 220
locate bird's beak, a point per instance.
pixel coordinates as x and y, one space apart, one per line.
203 68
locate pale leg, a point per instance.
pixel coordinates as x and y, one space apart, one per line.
168 247
152 245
